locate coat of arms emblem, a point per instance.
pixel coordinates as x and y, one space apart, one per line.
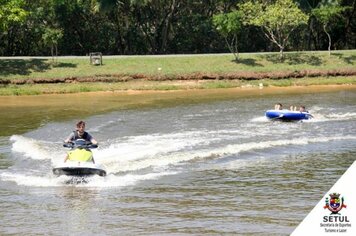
334 204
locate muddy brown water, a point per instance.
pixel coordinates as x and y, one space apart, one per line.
179 163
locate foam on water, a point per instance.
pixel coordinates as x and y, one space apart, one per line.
342 116
260 119
30 148
132 159
143 147
92 181
319 115
125 180
103 125
27 179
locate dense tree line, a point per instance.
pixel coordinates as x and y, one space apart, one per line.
78 27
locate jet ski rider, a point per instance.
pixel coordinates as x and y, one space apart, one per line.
80 133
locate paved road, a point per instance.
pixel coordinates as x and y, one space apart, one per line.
163 55
116 56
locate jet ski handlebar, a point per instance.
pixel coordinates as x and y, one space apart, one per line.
68 145
80 145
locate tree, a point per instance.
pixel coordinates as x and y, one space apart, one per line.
51 37
11 11
163 26
229 25
121 13
277 20
326 13
156 22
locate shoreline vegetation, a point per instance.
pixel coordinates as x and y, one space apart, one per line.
40 75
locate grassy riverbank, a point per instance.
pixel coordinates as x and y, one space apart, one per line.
29 76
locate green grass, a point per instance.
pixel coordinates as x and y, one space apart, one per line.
175 65
35 89
171 67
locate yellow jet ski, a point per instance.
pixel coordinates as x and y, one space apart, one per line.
80 161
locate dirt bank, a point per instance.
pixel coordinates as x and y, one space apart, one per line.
132 97
243 75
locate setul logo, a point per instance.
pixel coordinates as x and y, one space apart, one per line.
334 204
335 222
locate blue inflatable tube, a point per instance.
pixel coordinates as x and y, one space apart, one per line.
286 115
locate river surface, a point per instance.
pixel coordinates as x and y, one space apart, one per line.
212 164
